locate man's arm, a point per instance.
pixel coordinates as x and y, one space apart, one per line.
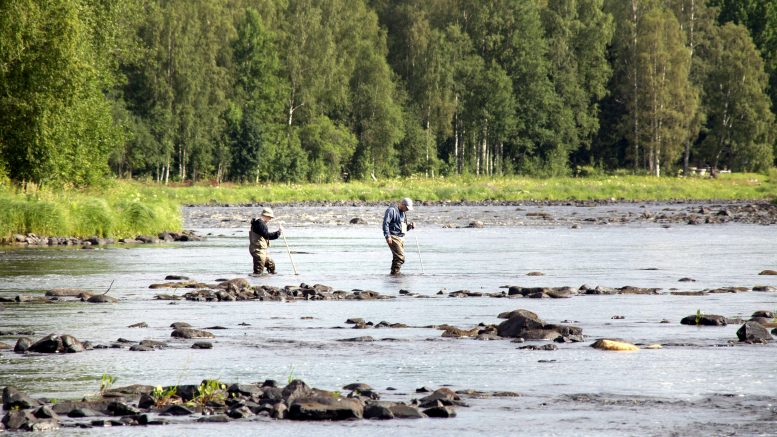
387 217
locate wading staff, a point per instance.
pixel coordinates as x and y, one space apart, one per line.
289 251
418 248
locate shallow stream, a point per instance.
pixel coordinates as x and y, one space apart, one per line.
702 381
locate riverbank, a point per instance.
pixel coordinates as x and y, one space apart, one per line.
128 208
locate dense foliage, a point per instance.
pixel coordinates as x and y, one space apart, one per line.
332 90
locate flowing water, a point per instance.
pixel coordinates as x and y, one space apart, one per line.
701 383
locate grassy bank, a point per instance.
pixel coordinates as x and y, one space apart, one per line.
736 186
107 213
128 208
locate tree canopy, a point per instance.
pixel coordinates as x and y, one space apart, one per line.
327 90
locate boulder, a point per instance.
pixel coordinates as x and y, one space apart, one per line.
355 321
190 333
202 345
440 412
15 399
325 408
402 411
357 386
612 345
118 408
248 390
22 344
763 313
753 332
102 298
26 421
519 312
358 221
48 345
294 390
176 325
174 277
768 273
560 293
476 224
378 411
441 396
527 325
704 320
765 288
71 344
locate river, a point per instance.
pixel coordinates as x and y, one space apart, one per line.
701 382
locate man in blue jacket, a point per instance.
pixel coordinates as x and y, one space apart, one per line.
394 228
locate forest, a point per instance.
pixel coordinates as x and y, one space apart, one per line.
251 91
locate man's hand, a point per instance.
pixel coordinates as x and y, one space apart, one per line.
280 229
410 226
388 241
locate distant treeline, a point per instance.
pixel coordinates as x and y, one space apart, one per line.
329 90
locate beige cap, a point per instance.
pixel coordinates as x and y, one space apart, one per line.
267 212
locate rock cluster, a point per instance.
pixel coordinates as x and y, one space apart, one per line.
528 326
212 401
50 344
240 289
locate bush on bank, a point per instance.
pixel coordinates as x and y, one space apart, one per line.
127 208
83 214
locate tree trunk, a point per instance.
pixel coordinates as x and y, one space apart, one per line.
456 137
428 138
636 84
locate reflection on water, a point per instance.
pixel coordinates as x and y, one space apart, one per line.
276 338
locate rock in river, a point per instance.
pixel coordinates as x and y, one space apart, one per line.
191 333
704 320
753 332
612 345
526 324
325 408
102 298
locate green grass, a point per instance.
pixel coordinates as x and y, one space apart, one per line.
129 208
105 213
729 186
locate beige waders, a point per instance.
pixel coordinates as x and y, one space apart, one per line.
258 249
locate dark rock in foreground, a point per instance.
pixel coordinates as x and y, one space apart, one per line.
212 401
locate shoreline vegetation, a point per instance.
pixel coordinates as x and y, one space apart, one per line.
123 208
